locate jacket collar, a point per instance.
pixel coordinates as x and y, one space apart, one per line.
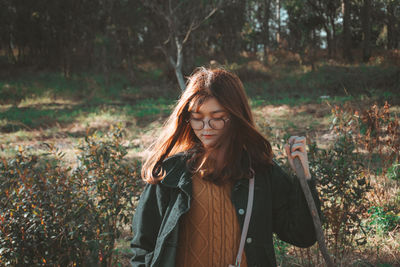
177 174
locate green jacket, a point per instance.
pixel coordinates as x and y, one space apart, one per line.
279 207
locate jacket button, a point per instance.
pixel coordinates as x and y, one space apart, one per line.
241 211
249 240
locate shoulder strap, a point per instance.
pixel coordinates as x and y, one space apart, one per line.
246 221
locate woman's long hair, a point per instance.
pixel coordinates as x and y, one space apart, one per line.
240 135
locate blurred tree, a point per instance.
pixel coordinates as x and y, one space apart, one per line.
393 23
225 32
181 18
347 54
278 20
258 31
303 24
265 21
327 12
108 35
7 21
119 41
130 23
366 28
252 31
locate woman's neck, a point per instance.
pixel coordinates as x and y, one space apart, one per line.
219 156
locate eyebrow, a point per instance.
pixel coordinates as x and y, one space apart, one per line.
213 112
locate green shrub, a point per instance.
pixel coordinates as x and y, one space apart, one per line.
281 250
342 186
382 220
393 172
112 181
53 215
375 129
46 217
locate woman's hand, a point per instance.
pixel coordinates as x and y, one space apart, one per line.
298 147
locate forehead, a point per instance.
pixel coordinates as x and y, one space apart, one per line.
207 105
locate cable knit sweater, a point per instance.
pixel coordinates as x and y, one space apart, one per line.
209 233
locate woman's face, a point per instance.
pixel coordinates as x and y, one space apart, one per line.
209 121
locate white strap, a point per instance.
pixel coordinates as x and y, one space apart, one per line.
246 221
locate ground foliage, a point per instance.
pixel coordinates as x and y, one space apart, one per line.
344 171
58 216
343 185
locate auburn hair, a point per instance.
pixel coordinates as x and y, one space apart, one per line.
241 135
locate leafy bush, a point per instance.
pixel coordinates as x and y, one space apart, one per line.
53 215
393 172
281 249
43 211
343 182
375 129
382 219
343 186
111 181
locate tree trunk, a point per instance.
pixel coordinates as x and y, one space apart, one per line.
347 55
391 22
278 20
11 50
334 41
366 26
328 40
267 13
314 49
178 64
179 77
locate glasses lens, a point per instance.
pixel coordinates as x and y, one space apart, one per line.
197 124
217 124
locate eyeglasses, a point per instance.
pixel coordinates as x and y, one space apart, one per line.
216 124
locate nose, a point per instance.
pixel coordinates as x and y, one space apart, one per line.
207 124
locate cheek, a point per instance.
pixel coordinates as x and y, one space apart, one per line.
197 133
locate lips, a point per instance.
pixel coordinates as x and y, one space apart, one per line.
208 135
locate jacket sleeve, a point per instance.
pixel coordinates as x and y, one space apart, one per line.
292 220
146 224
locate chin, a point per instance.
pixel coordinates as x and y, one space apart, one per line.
208 143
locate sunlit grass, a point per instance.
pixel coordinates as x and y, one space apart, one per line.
49 101
20 135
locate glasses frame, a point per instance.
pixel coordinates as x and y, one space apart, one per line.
209 124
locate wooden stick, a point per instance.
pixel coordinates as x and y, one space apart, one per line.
313 211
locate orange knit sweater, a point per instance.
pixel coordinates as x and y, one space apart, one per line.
209 234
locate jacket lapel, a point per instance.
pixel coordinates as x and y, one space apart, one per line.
179 177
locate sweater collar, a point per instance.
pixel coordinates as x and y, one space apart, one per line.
178 176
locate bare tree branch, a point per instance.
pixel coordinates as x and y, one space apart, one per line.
183 18
188 33
194 27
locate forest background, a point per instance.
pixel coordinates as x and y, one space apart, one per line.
86 85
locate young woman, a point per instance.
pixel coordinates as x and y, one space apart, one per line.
193 207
